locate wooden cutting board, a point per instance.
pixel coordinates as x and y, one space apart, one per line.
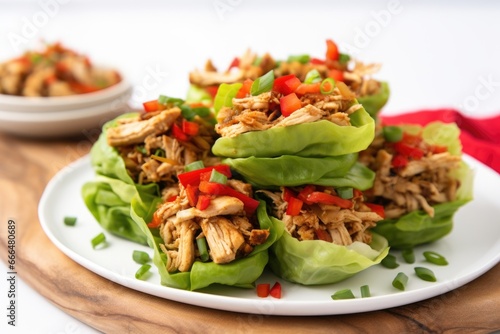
26 167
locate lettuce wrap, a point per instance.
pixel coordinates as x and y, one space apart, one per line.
443 184
240 273
314 262
109 195
317 139
375 102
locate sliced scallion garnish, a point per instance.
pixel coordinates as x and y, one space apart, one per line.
225 95
365 291
389 262
194 166
392 133
218 177
303 59
400 281
327 86
343 294
98 240
425 274
69 221
312 76
344 58
435 258
203 249
139 274
262 84
140 257
408 255
166 100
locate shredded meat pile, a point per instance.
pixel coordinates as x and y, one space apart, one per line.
417 186
152 154
343 226
261 112
229 233
250 66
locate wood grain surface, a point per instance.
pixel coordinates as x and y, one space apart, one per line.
27 166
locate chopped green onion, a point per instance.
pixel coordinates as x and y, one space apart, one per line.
141 149
262 84
194 166
365 291
98 239
392 133
400 281
312 76
425 274
345 193
140 257
225 95
142 271
69 221
327 86
344 58
202 111
408 255
166 100
303 59
187 112
343 294
218 177
389 262
160 153
435 258
203 249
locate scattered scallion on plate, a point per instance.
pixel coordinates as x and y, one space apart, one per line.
435 258
343 294
390 262
140 257
139 274
408 255
69 221
365 291
425 274
400 281
98 240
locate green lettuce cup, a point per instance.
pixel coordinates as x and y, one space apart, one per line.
241 273
315 262
375 102
317 139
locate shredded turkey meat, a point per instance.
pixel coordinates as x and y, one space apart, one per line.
229 232
261 112
331 223
152 154
419 185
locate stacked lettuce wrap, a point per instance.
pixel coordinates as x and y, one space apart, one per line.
372 94
283 136
420 180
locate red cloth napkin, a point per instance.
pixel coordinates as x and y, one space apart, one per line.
480 136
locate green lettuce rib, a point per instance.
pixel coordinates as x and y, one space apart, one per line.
240 273
317 139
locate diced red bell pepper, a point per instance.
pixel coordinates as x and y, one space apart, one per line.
263 290
378 209
234 63
276 290
317 61
203 202
412 140
193 177
332 50
289 103
81 88
324 198
192 194
190 128
294 206
178 134
212 90
151 105
435 149
155 221
336 75
245 89
408 151
306 191
399 161
313 88
286 84
172 198
214 188
323 235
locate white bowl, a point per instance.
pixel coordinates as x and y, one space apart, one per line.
63 116
26 104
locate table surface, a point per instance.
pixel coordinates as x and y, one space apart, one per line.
433 55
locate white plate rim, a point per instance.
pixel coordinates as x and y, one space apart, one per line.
261 306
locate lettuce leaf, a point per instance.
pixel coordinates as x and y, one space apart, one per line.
374 103
289 170
417 227
314 262
316 139
240 273
109 195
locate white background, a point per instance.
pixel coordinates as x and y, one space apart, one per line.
433 56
